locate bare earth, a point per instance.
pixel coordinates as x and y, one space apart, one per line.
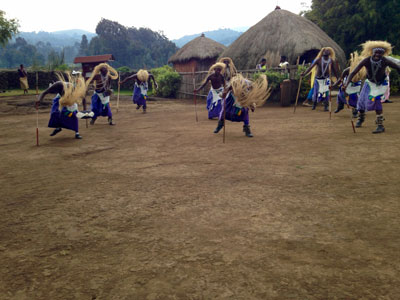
157 207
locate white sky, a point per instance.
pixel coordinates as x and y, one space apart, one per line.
174 18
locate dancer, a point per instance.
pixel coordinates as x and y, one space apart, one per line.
241 96
102 75
352 92
214 98
141 87
230 69
69 91
376 84
325 62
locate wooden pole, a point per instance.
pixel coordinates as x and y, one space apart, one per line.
37 84
297 97
351 119
195 101
37 109
330 91
223 136
119 85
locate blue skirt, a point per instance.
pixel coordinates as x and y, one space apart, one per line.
234 113
64 119
99 109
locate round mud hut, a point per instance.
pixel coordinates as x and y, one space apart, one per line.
197 55
281 33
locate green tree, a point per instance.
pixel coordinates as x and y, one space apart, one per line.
132 47
55 61
351 23
84 46
7 28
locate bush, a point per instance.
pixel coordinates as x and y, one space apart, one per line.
63 67
123 69
394 79
168 81
305 83
274 78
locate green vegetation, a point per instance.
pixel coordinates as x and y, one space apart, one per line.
123 69
168 81
395 79
136 48
351 23
7 28
276 78
132 48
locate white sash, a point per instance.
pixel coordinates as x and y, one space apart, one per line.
323 85
104 100
353 89
377 89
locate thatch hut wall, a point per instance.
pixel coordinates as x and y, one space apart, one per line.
281 33
197 55
195 65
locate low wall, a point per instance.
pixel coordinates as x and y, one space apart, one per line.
9 80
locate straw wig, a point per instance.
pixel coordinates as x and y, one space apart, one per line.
332 53
74 88
142 75
355 59
250 93
231 64
369 46
212 69
110 72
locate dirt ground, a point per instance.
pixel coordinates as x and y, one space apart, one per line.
157 207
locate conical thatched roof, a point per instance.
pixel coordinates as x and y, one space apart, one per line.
279 33
200 48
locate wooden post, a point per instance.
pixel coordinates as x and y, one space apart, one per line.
223 136
37 109
298 92
119 84
37 84
195 102
351 119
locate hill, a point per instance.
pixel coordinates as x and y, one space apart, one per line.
58 39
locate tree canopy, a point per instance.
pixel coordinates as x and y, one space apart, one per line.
351 23
136 48
7 28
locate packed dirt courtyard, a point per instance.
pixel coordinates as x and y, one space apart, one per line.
157 207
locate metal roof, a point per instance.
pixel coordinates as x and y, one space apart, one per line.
94 59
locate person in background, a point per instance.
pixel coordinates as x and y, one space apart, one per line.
23 79
141 79
283 63
262 65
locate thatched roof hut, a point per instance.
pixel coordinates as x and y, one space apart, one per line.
281 33
198 55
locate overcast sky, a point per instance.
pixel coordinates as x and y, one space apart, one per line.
174 18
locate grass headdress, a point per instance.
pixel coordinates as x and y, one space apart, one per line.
74 88
250 93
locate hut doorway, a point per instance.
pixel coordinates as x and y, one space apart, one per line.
308 56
